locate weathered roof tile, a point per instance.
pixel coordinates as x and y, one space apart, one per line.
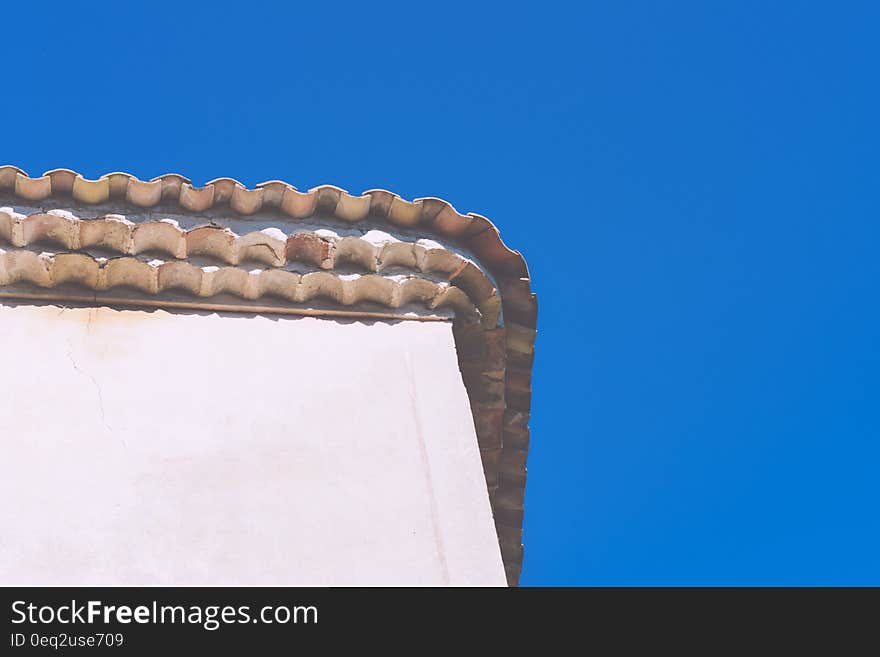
496 359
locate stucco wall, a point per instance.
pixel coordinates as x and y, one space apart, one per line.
145 447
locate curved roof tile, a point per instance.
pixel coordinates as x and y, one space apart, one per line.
474 230
495 358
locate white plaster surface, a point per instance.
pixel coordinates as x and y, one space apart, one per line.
145 447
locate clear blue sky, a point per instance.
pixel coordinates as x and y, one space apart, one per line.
694 186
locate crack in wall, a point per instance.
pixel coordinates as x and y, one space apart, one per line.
94 381
426 464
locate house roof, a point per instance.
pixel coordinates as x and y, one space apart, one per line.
108 244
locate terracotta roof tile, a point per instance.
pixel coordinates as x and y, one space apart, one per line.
48 270
438 214
495 356
375 250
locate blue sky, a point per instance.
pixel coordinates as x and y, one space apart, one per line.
694 186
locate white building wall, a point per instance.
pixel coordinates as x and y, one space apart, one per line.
145 447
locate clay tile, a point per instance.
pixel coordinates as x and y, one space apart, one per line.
55 226
320 284
511 518
229 279
7 176
280 283
171 184
8 220
487 422
246 201
491 455
417 290
143 193
352 208
457 299
196 199
28 266
401 254
490 310
327 199
378 289
358 251
91 191
308 247
509 536
433 257
519 359
165 236
510 498
273 192
519 399
118 183
266 246
179 276
513 461
298 204
380 202
75 268
478 224
516 290
443 217
520 338
33 189
516 437
404 213
213 241
489 248
130 272
62 180
223 189
520 304
430 207
253 284
473 281
515 420
519 378
111 231
350 286
483 387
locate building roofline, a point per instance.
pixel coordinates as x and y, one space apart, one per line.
495 353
